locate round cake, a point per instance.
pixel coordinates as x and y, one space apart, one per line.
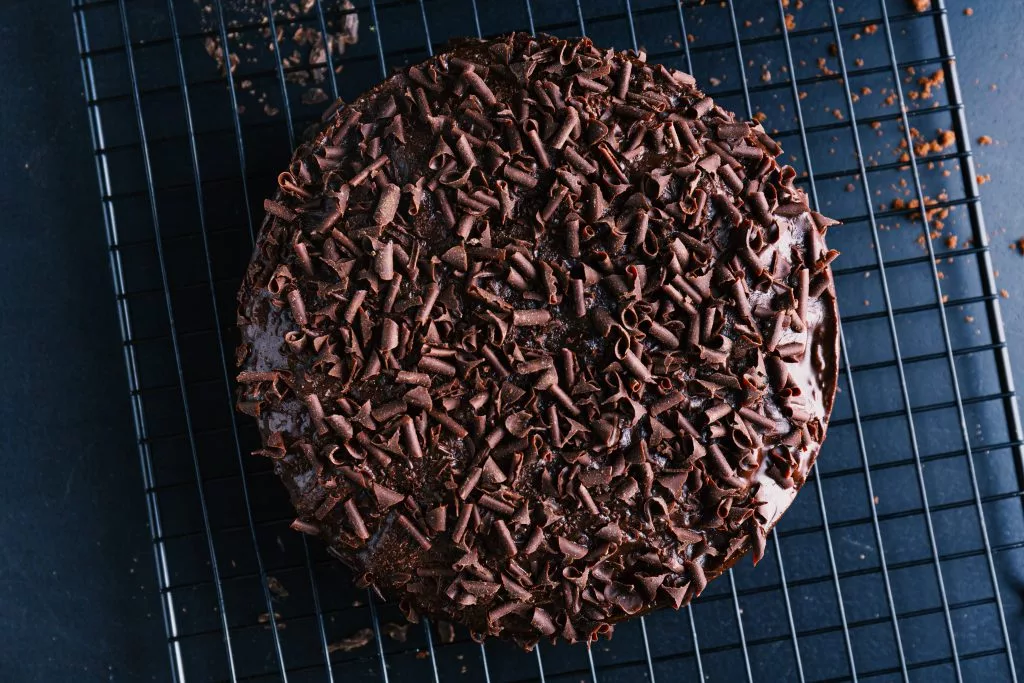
539 337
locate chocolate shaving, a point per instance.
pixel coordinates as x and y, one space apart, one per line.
529 329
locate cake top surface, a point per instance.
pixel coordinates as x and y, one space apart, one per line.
539 337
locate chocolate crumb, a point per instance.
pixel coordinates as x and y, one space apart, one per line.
359 639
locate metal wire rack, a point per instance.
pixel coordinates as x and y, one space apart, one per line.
896 560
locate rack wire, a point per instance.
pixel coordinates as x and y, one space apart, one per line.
904 556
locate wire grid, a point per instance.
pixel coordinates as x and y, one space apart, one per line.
896 559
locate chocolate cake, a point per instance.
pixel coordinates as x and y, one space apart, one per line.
539 337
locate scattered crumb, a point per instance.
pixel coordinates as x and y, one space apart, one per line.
1003 293
985 140
790 22
968 12
951 241
944 140
276 587
360 638
264 618
304 51
927 83
968 318
871 29
397 632
982 179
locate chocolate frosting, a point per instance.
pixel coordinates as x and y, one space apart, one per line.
539 337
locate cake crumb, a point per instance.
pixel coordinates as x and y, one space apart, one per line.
1003 293
984 140
968 12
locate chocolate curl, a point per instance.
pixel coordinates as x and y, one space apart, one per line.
803 289
572 120
305 527
353 305
531 317
433 290
417 378
470 482
556 199
636 367
757 419
520 177
388 335
410 437
578 162
355 519
622 84
335 206
298 308
462 523
340 426
411 529
534 542
316 412
689 140
386 498
437 518
365 173
579 302
670 400
739 293
594 204
533 135
384 261
445 208
495 362
505 537
448 423
573 551
465 226
524 265
436 366
382 458
640 228
386 411
480 87
279 210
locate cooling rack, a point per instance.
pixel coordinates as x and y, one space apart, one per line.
903 556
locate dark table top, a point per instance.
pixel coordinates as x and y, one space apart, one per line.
77 586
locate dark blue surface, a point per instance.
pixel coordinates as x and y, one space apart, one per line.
77 588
